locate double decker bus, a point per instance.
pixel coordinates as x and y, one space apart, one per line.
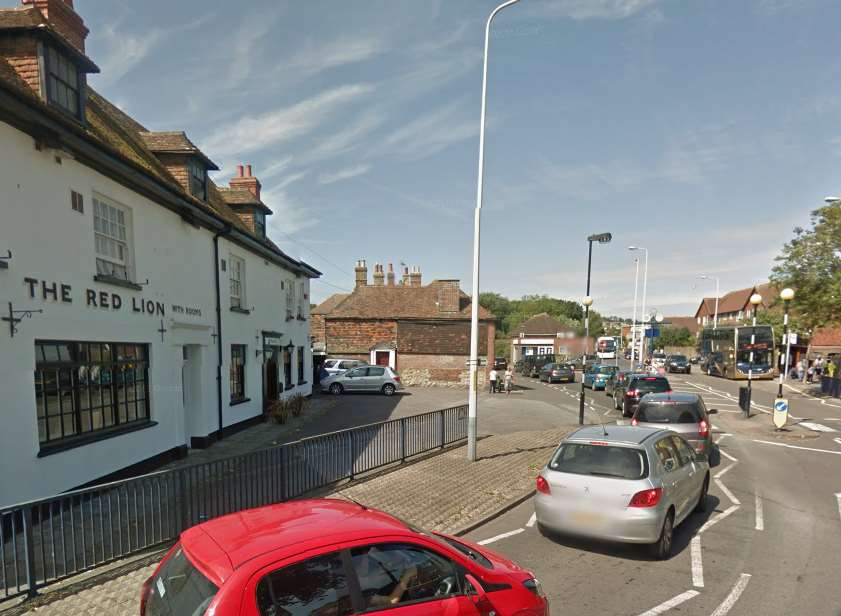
606 347
727 351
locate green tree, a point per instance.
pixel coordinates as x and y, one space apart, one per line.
675 337
811 265
497 304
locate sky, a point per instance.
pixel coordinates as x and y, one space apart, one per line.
703 131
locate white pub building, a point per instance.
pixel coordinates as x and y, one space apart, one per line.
144 311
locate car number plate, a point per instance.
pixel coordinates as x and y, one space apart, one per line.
586 518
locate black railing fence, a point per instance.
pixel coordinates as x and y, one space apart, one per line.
47 540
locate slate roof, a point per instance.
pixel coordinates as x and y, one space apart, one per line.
115 132
396 302
542 324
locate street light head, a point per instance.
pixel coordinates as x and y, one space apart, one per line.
832 199
601 238
787 294
587 301
658 317
633 247
756 299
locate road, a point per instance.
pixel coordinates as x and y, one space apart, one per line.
769 544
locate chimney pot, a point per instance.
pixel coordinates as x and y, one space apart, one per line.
239 171
248 171
361 271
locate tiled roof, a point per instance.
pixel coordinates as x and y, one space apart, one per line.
826 337
115 132
174 142
542 324
400 302
737 300
330 303
688 322
241 196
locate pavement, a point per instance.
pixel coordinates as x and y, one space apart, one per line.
769 544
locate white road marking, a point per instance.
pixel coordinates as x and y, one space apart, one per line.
722 435
673 602
837 441
760 522
816 426
837 453
727 455
734 595
718 518
697 563
532 520
838 497
720 473
727 492
510 533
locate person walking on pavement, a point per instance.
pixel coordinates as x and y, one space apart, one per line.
509 380
493 376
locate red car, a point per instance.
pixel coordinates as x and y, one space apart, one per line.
332 558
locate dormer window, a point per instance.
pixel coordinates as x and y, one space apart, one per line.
198 180
260 223
63 88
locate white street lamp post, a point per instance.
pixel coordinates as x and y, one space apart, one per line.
473 397
634 321
755 300
786 295
644 290
717 293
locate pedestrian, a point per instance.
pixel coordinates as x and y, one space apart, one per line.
810 373
493 376
800 369
509 380
818 367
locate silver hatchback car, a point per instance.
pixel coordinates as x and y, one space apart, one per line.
364 378
623 484
684 413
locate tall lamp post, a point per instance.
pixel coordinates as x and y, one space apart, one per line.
473 397
634 320
786 295
755 300
644 289
587 301
717 293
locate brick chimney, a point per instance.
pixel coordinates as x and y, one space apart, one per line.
415 277
405 281
245 181
379 275
448 296
361 274
390 275
64 19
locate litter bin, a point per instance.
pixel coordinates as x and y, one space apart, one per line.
744 400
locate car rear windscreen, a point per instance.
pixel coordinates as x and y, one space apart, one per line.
179 588
607 369
668 412
652 385
600 461
678 357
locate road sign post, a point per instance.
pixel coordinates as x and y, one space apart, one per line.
780 412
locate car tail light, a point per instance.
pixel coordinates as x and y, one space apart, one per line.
646 498
631 393
145 592
534 585
396 378
542 485
634 422
703 429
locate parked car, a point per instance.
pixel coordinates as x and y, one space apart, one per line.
338 366
500 363
627 353
364 378
332 557
533 363
562 373
623 484
685 414
678 363
598 374
628 396
695 359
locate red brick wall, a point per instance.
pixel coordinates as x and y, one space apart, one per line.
345 336
22 54
317 328
177 165
64 19
440 337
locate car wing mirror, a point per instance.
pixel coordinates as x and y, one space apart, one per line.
475 591
712 412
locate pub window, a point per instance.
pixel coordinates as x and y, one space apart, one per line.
198 179
287 368
77 202
260 223
301 296
300 364
290 298
237 278
237 378
63 83
88 387
112 238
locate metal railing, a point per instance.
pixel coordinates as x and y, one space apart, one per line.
47 540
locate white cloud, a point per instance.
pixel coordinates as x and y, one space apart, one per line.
343 174
589 9
255 133
430 133
290 216
289 179
313 59
273 167
344 139
248 38
124 51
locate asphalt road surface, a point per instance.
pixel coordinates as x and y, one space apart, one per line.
769 544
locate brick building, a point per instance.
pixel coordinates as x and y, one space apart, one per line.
422 331
735 307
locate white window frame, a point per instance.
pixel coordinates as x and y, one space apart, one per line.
236 277
302 292
290 298
112 229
